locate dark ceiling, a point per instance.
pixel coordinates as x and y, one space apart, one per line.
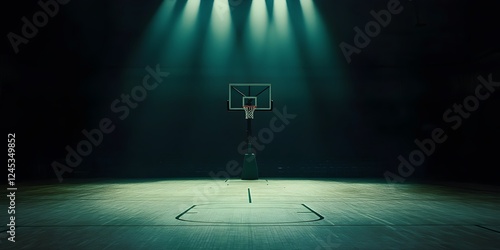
426 32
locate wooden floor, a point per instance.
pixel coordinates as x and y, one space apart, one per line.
261 214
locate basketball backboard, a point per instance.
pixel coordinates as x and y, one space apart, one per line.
258 94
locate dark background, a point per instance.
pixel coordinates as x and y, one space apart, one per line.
353 120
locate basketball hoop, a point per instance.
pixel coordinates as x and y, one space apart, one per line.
249 109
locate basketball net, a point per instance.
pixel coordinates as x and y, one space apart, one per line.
249 110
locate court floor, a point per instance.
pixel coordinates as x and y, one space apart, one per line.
260 214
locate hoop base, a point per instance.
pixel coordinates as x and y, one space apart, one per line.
250 170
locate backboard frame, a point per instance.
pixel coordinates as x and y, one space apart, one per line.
239 92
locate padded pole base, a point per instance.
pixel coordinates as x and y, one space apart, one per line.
250 170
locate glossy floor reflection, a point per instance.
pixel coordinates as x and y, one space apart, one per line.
261 214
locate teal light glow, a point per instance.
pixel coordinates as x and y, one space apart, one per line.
320 55
220 37
189 15
205 45
318 43
222 10
154 36
281 20
258 25
310 12
179 47
284 46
